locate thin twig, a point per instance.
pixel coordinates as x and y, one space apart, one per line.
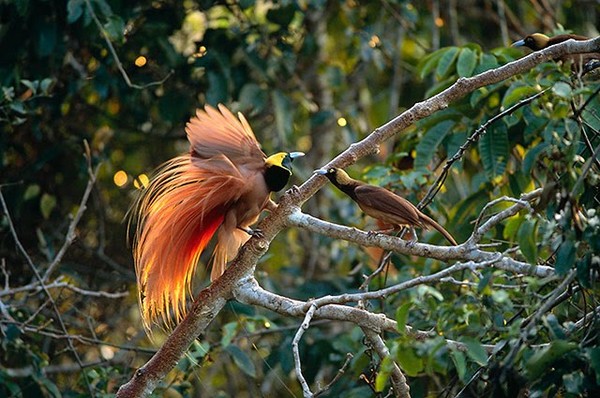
71 232
337 376
116 56
295 342
437 185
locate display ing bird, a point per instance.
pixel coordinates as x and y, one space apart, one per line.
382 204
539 41
219 188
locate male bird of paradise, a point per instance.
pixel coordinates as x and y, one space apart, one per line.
220 187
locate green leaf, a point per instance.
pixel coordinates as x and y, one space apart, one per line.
409 361
532 155
47 204
594 355
565 258
428 64
460 363
32 191
115 27
430 141
384 374
516 93
242 360
283 15
542 359
402 316
446 62
45 85
74 10
32 85
511 227
229 331
467 60
493 149
562 89
526 239
475 351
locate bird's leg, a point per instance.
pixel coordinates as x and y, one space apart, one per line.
415 238
252 232
270 205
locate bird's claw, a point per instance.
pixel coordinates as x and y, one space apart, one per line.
373 233
293 190
258 233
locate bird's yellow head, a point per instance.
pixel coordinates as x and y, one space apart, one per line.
278 169
535 41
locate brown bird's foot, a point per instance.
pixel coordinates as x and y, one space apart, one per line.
380 231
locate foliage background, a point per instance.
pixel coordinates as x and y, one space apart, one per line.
313 76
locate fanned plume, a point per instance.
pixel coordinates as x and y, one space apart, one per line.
185 204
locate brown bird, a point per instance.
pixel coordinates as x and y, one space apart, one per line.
382 204
220 187
539 41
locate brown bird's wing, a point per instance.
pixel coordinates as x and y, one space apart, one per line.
387 206
214 132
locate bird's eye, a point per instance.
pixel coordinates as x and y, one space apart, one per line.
331 171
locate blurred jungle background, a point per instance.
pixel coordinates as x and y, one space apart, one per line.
117 80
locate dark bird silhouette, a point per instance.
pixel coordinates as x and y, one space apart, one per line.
220 187
382 204
539 41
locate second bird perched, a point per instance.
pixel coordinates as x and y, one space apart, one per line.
382 204
220 187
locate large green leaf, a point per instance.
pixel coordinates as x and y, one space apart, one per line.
430 142
493 149
446 63
467 61
242 360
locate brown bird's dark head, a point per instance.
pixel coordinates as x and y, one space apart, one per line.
335 175
535 41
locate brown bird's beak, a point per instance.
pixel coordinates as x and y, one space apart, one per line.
518 43
294 155
321 172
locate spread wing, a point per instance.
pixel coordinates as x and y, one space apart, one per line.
213 132
384 202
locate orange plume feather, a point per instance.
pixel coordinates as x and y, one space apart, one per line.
217 188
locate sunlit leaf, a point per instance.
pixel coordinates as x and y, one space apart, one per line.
47 204
409 361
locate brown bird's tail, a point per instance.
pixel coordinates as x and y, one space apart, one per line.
176 218
429 222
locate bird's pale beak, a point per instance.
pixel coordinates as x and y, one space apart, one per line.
518 43
294 155
320 172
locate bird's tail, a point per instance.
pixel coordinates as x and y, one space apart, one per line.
176 218
428 221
